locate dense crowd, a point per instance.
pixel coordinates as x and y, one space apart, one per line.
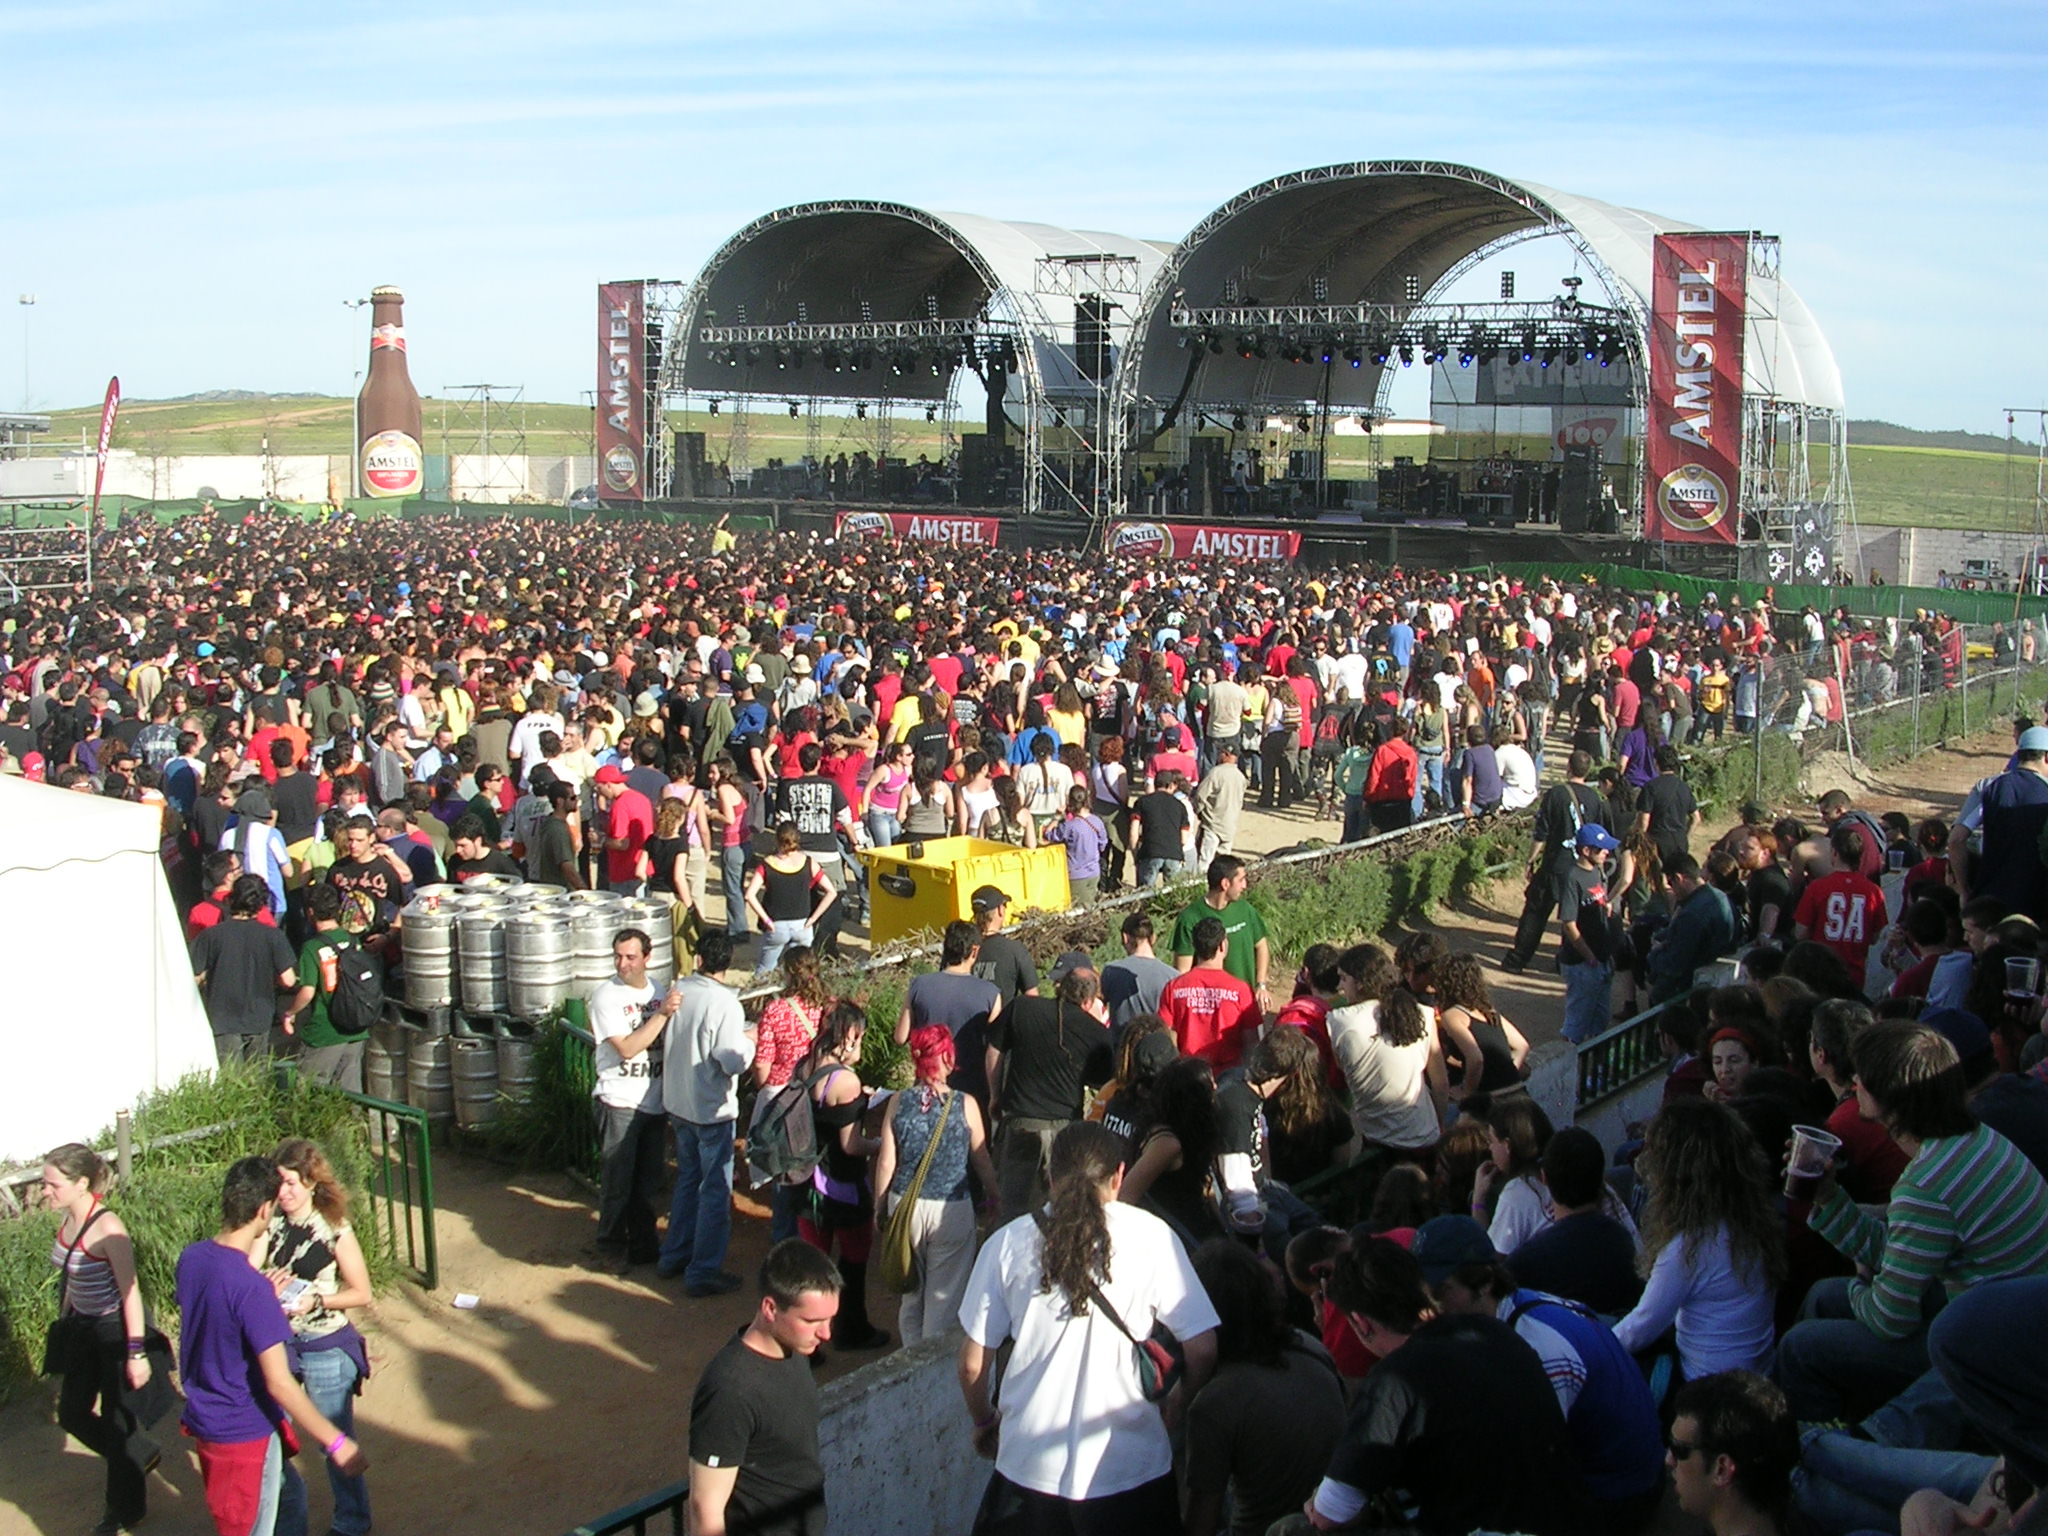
1097 1169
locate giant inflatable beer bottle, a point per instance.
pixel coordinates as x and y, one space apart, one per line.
388 409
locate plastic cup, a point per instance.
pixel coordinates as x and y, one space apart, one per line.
1813 1149
2022 976
1895 858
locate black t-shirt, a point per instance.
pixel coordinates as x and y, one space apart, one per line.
297 798
1588 1258
1669 804
241 960
372 892
1008 964
1451 1392
743 745
1769 887
1051 1050
1582 899
761 1415
816 804
494 862
929 742
1241 1125
1563 809
1164 819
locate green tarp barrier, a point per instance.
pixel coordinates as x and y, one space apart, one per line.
1868 602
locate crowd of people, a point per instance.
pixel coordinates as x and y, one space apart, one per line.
1094 1173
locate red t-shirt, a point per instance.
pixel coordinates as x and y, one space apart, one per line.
1874 1162
1212 1015
211 910
633 819
1311 1015
1845 912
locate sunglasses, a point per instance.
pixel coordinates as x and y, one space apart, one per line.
1680 1450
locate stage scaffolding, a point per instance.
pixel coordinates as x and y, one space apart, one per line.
38 557
1083 470
483 429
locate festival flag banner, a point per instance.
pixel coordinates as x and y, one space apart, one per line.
109 408
1203 541
1693 445
621 392
919 527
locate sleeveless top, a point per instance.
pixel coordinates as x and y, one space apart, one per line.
89 1286
924 818
977 803
888 795
1497 1071
786 893
307 1247
998 830
917 1116
841 1177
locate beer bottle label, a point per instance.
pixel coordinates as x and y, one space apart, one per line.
393 465
387 336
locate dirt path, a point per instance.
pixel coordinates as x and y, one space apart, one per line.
566 1393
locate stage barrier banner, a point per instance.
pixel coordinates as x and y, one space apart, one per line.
1693 448
1204 541
621 392
919 527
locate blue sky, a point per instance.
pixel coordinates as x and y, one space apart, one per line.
193 189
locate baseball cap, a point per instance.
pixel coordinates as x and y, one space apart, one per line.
1444 1242
2034 739
1593 835
1073 960
988 898
609 774
1966 1032
1154 1054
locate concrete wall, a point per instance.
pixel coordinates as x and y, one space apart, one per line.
298 477
895 1441
1917 557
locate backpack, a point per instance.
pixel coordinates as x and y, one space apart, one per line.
357 1000
1330 732
782 1136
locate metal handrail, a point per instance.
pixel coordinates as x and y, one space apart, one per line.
396 1195
637 1516
1617 1060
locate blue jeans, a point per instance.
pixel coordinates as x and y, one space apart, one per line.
1152 871
1588 999
1845 1485
780 936
1989 1346
281 1510
733 867
1832 1367
330 1381
884 831
700 1214
785 1203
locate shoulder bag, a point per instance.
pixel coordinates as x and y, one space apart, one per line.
1160 1357
897 1266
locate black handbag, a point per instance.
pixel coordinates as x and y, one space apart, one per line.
70 1335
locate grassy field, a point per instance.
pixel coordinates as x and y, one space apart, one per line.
1894 486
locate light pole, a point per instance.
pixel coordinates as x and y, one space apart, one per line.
355 423
27 301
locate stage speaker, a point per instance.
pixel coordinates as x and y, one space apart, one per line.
1207 464
690 481
1091 336
1578 490
977 470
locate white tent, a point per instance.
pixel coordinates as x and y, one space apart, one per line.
100 1004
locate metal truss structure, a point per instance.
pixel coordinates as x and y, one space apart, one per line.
43 557
1074 437
484 426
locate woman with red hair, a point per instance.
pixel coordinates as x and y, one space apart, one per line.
930 1115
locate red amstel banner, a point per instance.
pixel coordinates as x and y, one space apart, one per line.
621 392
920 527
1204 541
108 409
1693 439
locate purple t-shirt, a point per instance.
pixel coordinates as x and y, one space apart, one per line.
1085 840
228 1316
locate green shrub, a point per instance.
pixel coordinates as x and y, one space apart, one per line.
172 1197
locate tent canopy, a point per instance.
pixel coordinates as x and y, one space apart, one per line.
102 1007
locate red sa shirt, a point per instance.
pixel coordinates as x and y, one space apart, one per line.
1212 1014
1845 912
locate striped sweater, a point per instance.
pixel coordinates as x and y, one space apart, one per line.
1967 1209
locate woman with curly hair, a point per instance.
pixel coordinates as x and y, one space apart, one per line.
1713 1241
1307 1130
1077 1445
1483 1051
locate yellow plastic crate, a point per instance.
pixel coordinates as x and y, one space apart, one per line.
939 887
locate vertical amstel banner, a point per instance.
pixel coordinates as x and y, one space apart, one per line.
621 392
1693 438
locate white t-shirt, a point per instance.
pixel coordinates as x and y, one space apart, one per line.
615 1010
1517 776
1075 1424
1390 1102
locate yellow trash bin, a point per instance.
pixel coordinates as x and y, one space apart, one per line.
906 894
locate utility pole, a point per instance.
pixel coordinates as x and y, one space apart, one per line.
27 301
355 423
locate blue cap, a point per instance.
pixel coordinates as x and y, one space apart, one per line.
1445 1242
1593 835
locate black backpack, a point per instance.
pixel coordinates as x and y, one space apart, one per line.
357 1000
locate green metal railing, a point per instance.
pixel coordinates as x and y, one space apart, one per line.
402 1186
663 1511
579 1073
1619 1059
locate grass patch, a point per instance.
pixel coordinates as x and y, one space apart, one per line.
173 1196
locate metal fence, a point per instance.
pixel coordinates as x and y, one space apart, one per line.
666 1510
402 1186
1616 1061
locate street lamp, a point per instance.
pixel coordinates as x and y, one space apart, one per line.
355 424
27 301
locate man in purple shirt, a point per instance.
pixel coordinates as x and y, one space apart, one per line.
240 1398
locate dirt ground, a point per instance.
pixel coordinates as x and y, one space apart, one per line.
565 1393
